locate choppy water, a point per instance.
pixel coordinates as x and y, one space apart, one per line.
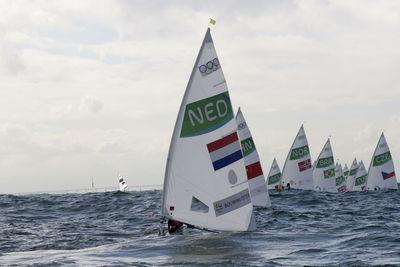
118 229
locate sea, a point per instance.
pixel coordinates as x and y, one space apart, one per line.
302 228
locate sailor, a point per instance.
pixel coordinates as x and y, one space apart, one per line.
288 186
173 226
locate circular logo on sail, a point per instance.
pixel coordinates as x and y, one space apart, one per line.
232 177
242 125
209 67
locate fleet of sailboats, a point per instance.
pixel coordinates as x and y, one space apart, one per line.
213 176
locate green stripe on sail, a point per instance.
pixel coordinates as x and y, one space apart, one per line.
353 171
360 180
340 180
382 159
346 173
273 179
329 173
206 115
299 152
247 146
325 162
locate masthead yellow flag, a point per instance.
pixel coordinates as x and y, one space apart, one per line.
212 21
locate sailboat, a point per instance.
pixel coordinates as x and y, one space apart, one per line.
360 180
324 170
258 189
340 179
297 170
205 182
352 175
274 176
381 174
122 185
345 171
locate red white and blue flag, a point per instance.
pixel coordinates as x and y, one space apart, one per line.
304 165
387 175
225 151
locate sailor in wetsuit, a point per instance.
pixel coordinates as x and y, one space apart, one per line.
174 226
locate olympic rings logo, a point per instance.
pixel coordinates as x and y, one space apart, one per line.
242 125
209 67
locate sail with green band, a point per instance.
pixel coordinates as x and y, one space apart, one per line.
248 146
381 172
205 182
324 171
206 115
340 179
352 174
297 170
360 180
274 176
258 188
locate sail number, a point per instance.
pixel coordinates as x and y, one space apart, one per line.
206 115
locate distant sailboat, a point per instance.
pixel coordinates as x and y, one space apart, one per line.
122 185
352 175
345 171
381 174
360 180
274 176
258 189
340 180
297 170
205 183
324 170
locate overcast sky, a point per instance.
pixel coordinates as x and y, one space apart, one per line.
92 88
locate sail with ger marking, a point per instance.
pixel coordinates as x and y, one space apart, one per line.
352 174
205 183
381 173
324 170
297 170
258 189
360 180
274 176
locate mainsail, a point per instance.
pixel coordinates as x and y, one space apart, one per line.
324 170
258 189
205 183
274 176
345 171
352 174
381 172
122 184
360 180
340 179
297 170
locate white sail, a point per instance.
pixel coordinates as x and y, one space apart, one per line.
345 171
122 184
324 170
205 183
360 180
351 176
258 189
274 176
297 170
381 173
340 179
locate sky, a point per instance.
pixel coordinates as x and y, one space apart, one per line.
91 89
